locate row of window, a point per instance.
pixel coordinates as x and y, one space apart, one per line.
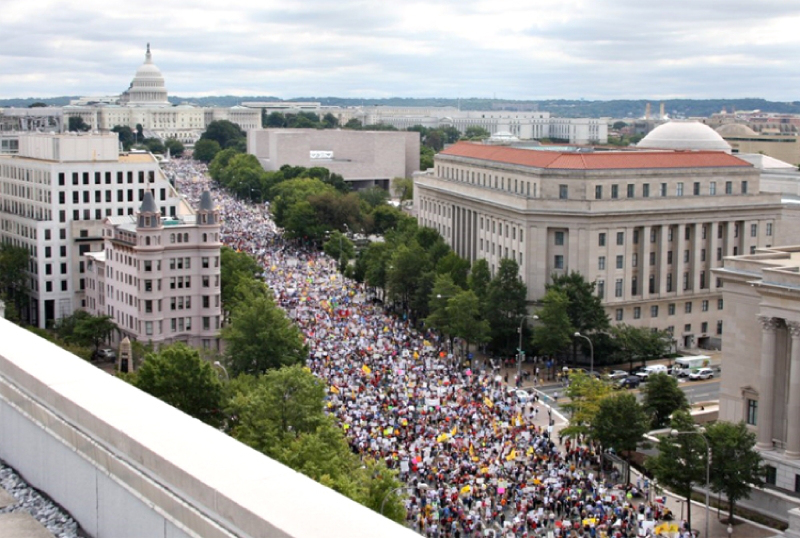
687 234
482 179
98 177
86 196
630 189
619 283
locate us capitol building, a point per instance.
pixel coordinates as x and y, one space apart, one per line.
145 103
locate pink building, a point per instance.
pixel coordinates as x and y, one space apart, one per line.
159 278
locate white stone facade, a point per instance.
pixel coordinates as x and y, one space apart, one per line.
159 279
54 195
647 227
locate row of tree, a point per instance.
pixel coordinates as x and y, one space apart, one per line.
14 262
618 422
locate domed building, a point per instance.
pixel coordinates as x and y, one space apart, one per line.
685 136
146 103
735 130
147 87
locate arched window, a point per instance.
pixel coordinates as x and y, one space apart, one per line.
147 241
186 238
171 238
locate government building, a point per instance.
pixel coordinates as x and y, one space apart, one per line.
647 225
159 277
54 195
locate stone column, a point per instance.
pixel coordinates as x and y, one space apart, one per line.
767 374
793 423
646 269
663 267
677 259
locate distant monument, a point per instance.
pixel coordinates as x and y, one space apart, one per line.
125 357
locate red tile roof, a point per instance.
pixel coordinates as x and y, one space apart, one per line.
602 160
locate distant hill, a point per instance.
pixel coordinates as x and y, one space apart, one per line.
622 108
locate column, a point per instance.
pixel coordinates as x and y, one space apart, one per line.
663 267
793 423
697 265
627 262
677 258
769 327
646 269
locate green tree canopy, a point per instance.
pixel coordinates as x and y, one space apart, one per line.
403 188
225 133
14 262
555 331
466 321
76 124
662 397
153 145
206 150
260 337
175 147
476 132
736 466
620 423
639 343
584 307
235 267
178 376
84 329
125 135
506 295
585 394
681 460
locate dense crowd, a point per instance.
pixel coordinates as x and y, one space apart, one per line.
474 454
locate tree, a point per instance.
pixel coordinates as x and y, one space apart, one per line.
425 157
153 145
206 150
466 321
329 121
84 329
353 124
339 247
478 280
476 132
585 394
736 465
76 123
125 135
374 196
403 188
639 343
14 262
454 265
174 146
555 330
662 397
584 307
226 133
260 337
681 460
620 423
438 318
619 125
506 295
178 376
407 265
275 119
235 267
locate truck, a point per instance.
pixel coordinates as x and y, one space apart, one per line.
685 365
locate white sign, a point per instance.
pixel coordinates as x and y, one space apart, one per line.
321 154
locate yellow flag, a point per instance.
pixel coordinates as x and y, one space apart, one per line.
466 489
512 455
366 369
335 389
488 403
453 431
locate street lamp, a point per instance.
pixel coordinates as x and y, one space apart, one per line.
422 485
700 432
591 351
219 365
534 317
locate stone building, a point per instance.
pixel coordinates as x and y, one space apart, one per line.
647 226
159 278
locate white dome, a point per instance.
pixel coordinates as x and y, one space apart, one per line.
684 135
147 87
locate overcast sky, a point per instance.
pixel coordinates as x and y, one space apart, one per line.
511 49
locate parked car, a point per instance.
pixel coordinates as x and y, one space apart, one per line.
617 374
701 373
105 354
630 382
523 396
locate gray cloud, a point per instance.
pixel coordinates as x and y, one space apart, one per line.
520 49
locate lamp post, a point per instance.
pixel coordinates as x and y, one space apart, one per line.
219 365
519 349
591 351
700 432
422 485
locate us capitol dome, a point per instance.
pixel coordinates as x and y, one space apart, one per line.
147 87
684 135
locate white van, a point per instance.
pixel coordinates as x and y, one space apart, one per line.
652 369
686 365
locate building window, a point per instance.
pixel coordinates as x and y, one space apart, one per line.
620 261
744 187
651 287
754 230
719 327
618 314
712 188
563 192
614 191
634 260
769 229
598 192
631 189
601 289
637 312
687 328
646 190
679 189
685 281
559 238
719 304
654 311
687 307
601 239
601 263
703 280
671 309
620 238
752 412
669 281
559 261
696 188
729 187
771 475
634 286
669 257
663 189
618 288
704 305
